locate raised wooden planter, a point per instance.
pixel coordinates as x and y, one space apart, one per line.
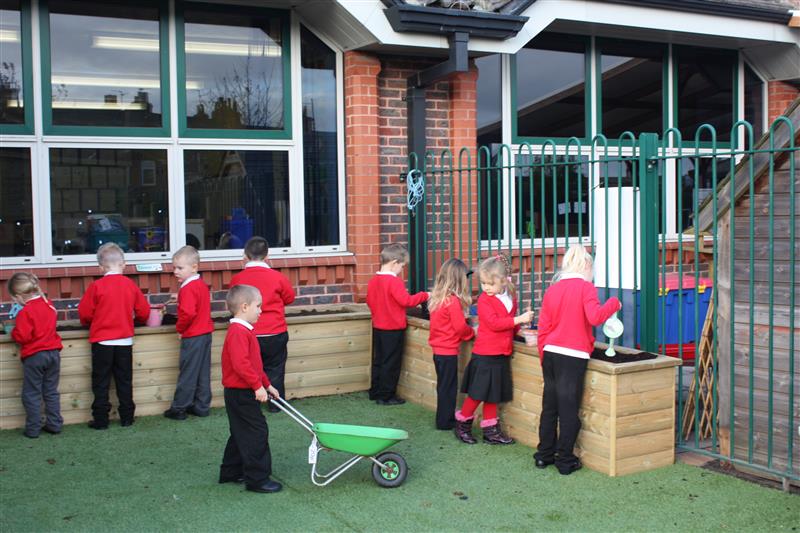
627 412
328 354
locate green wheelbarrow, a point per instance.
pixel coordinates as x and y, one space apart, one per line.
389 469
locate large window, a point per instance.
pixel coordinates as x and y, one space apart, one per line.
489 99
15 74
16 205
108 195
234 70
753 102
105 67
232 195
550 89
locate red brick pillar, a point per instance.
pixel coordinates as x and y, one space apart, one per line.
780 95
362 165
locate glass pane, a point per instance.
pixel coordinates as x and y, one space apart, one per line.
551 88
16 212
232 195
491 193
705 92
753 102
234 71
554 198
11 97
632 88
320 155
105 64
489 106
108 195
702 169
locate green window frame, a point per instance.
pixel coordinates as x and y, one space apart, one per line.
599 42
106 131
208 133
587 114
733 56
27 75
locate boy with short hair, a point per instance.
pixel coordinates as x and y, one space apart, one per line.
108 307
276 293
247 457
388 299
193 390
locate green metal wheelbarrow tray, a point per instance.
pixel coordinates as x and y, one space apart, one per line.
389 469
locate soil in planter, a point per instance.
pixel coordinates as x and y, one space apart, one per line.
600 354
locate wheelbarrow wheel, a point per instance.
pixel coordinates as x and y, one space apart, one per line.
394 470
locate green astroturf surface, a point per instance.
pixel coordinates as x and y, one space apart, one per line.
162 475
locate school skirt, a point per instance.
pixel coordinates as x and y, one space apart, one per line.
487 378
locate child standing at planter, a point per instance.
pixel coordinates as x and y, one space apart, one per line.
276 293
40 345
193 390
247 457
487 377
108 307
570 308
388 299
448 329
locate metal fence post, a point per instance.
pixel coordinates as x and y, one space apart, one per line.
648 237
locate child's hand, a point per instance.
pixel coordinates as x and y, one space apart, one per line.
261 394
273 392
524 318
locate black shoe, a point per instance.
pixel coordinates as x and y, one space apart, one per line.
175 414
544 464
463 431
568 469
494 435
394 400
51 430
30 435
268 487
126 423
94 424
194 412
231 479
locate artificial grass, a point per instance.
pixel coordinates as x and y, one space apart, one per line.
162 475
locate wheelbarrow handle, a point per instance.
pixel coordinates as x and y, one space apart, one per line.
296 415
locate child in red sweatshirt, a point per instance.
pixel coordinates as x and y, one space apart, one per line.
487 377
388 299
570 308
247 457
448 329
40 345
276 293
193 390
108 307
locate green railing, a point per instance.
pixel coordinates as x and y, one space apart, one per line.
656 213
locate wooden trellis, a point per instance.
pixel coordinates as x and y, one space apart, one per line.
705 371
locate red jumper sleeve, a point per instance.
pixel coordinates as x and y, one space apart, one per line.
141 308
86 306
401 296
489 317
544 327
458 321
23 328
187 311
240 361
287 292
595 313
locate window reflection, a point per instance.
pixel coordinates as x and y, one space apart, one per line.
108 195
489 100
320 155
551 87
105 64
702 170
234 70
11 86
753 103
705 83
232 195
16 212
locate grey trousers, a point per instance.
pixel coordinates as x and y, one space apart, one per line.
40 373
194 380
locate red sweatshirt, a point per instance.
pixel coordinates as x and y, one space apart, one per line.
35 328
449 327
276 293
108 308
495 326
194 309
570 308
388 299
241 359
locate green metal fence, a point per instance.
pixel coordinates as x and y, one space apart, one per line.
657 214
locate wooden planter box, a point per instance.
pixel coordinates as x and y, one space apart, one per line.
328 354
627 412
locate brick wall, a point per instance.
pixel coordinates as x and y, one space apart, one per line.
780 95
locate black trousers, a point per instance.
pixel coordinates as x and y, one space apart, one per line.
446 390
107 361
273 357
387 356
563 390
247 451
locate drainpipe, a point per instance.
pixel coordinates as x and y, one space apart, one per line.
458 61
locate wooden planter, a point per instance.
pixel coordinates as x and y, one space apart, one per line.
328 354
627 412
